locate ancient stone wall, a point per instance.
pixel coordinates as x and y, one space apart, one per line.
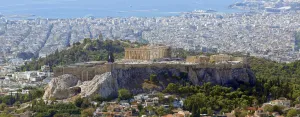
197 59
87 73
83 73
179 66
148 53
220 58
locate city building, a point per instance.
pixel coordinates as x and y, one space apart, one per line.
148 53
281 102
45 68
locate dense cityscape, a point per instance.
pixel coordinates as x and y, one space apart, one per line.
201 63
265 35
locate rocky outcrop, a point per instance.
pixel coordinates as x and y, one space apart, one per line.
133 79
104 84
66 86
61 87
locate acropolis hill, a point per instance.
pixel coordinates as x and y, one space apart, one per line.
150 56
132 73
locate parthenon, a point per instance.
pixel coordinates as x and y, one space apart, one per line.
148 52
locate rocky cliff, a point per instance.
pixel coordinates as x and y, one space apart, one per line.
103 84
67 86
133 79
61 87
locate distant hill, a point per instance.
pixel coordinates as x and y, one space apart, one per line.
87 50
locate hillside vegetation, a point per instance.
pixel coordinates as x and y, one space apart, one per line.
273 81
88 50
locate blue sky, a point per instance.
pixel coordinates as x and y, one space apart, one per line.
102 8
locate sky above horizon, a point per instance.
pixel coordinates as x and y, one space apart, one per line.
103 8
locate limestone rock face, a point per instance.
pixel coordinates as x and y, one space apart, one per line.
61 87
66 86
133 78
104 84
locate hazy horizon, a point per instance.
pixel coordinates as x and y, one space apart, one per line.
113 8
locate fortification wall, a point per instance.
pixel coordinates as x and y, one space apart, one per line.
83 73
179 66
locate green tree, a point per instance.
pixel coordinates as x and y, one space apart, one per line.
172 88
292 113
5 115
124 94
78 102
100 37
161 111
2 106
85 103
153 78
97 97
87 112
17 104
275 108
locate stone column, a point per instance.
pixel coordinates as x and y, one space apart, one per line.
138 54
144 55
133 54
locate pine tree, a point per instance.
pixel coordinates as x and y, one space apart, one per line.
110 57
100 36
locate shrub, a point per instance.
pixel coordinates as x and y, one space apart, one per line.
124 94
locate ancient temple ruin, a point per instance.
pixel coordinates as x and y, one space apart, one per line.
148 53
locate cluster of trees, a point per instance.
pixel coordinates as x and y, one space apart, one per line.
80 107
273 80
19 98
88 50
208 99
41 109
293 113
15 100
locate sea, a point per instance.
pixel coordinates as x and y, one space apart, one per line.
108 8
